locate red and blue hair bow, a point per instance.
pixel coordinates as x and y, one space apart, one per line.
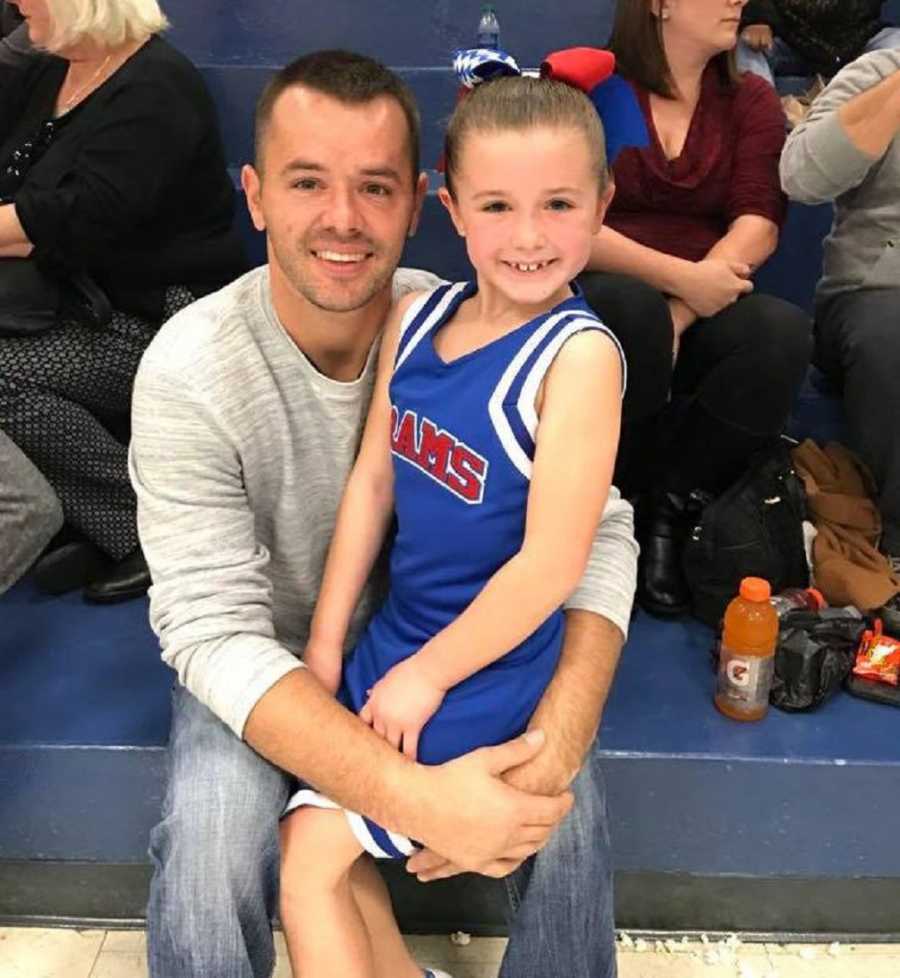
591 70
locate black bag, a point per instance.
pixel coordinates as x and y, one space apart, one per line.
33 301
815 654
754 529
29 298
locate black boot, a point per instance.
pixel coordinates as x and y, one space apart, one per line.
663 522
129 578
69 562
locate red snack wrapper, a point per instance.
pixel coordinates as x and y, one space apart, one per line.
878 657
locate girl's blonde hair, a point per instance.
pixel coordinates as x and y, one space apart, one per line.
106 22
520 102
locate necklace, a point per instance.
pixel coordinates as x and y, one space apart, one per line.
72 99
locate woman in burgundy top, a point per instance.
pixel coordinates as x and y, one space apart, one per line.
696 212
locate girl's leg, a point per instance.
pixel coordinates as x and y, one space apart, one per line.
392 957
325 932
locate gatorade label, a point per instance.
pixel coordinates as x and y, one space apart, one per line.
745 680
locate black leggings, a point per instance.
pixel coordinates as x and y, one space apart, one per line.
731 389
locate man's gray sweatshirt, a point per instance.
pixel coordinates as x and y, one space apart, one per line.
240 451
820 163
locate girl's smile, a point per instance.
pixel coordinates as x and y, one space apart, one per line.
528 202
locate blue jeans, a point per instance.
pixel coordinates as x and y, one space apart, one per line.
784 60
215 858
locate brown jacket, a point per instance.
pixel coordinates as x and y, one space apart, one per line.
849 568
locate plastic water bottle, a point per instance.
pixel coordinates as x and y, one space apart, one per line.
488 35
798 599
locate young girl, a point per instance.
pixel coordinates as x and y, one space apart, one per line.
491 436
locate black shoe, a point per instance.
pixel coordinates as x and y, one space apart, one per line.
663 522
129 578
68 567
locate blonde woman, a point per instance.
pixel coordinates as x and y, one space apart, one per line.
112 173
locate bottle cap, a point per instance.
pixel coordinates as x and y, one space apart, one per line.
755 589
818 597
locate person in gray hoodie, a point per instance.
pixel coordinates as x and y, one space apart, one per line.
30 513
848 151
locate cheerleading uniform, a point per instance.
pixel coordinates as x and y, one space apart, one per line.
462 441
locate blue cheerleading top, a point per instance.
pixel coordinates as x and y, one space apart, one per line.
462 440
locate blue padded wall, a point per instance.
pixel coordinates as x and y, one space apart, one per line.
400 34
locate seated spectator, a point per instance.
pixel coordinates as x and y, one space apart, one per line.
848 151
694 214
30 513
111 168
808 37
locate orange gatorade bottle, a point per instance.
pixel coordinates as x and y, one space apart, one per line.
747 656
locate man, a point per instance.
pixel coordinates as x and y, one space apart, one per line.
848 151
247 414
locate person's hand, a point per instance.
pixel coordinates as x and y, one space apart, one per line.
759 37
401 703
708 286
683 317
544 774
473 821
325 662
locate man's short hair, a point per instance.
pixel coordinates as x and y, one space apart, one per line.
353 79
107 22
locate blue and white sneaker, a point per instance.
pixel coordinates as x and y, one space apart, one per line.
435 973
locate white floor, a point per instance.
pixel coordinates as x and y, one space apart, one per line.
36 953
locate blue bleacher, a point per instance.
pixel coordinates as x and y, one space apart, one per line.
782 825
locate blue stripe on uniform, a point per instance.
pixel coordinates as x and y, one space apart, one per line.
516 388
510 405
431 304
383 840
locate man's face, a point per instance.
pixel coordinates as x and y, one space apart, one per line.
335 197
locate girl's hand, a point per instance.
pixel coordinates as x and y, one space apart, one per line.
759 37
401 703
325 663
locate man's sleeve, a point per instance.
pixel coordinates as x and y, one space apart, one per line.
820 162
607 587
211 601
408 280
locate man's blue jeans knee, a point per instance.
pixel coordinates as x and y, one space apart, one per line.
563 899
215 853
